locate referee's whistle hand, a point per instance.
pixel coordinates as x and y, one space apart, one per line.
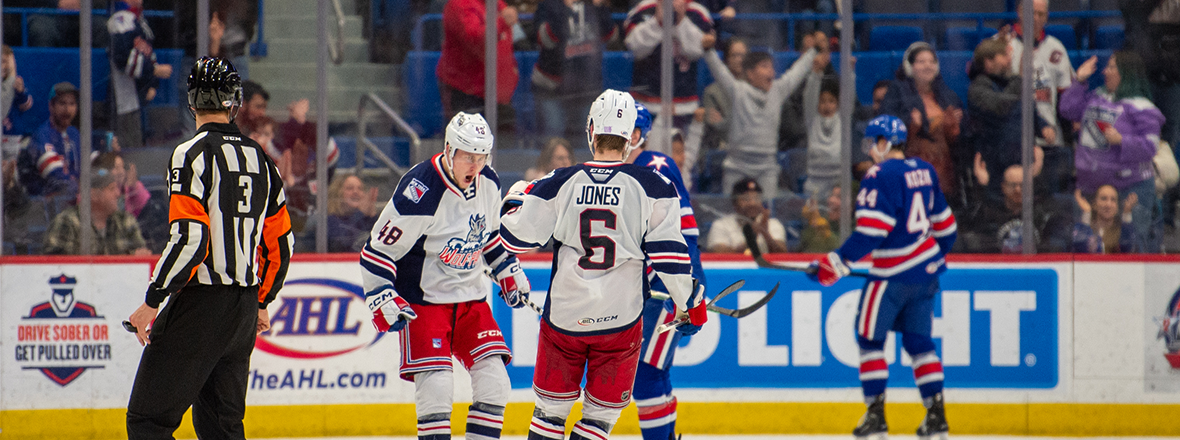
142 318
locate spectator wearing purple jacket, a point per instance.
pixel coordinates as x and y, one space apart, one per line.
1120 131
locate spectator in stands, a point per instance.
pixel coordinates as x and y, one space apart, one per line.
114 231
879 91
757 109
49 164
264 134
995 225
717 101
134 71
821 105
461 66
557 154
1115 232
792 132
13 98
296 142
822 232
644 37
1054 74
568 75
1119 134
932 112
725 235
254 104
351 213
135 194
685 145
231 29
994 123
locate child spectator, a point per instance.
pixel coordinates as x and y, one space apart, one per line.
821 105
13 98
1120 131
757 109
822 232
135 194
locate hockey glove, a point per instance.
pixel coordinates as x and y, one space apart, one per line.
390 311
828 270
515 197
698 314
514 285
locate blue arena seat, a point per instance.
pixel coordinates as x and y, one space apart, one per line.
1108 38
892 38
1065 33
872 67
966 38
953 67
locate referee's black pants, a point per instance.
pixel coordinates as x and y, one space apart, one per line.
200 356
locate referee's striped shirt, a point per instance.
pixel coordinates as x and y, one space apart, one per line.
227 216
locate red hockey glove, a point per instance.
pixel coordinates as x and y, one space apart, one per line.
390 311
830 269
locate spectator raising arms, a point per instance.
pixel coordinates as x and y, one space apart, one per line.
718 101
994 124
557 154
757 109
1115 232
644 37
931 112
135 194
1120 131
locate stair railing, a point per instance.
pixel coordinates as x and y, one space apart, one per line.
364 144
336 41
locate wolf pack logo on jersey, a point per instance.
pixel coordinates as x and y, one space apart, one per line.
415 190
464 253
1098 120
58 337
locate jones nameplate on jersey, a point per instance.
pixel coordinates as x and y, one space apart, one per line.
599 195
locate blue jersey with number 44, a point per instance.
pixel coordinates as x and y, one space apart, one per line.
902 221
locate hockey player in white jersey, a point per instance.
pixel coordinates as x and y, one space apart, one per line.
423 270
605 217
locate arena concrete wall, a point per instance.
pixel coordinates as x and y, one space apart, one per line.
1048 345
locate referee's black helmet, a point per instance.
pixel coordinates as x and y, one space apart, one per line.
214 84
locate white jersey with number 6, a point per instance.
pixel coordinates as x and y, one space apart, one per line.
606 218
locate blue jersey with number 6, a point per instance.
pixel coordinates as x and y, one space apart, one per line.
902 221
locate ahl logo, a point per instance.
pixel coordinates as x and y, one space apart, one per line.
316 319
60 338
464 253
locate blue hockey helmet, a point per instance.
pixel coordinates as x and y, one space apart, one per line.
888 127
642 122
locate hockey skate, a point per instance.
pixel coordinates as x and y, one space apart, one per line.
872 425
934 426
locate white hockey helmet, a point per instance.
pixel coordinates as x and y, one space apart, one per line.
612 113
470 133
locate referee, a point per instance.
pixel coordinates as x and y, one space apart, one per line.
225 261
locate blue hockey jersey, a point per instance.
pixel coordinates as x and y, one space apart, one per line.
688 222
903 221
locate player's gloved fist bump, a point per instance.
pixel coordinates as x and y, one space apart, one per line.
390 311
514 285
830 269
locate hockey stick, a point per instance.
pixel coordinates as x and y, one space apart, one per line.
748 310
756 253
684 319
